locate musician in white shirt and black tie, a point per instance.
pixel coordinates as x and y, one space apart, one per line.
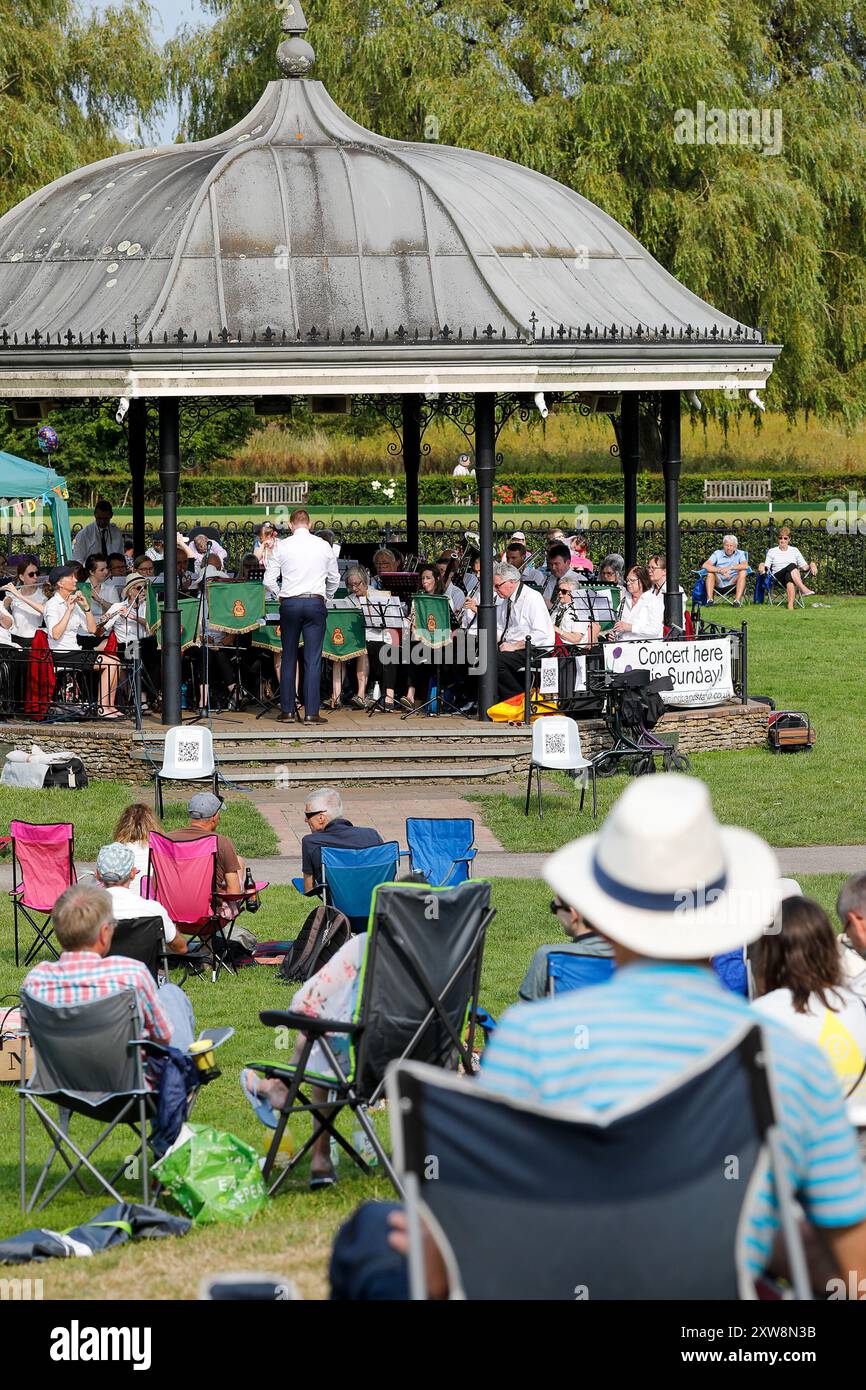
520 613
303 570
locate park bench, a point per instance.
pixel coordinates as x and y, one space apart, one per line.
739 490
269 495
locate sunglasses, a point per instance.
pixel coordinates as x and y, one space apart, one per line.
308 815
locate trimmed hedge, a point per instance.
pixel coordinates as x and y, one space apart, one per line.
572 489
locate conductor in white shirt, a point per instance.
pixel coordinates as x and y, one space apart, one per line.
520 613
98 537
303 570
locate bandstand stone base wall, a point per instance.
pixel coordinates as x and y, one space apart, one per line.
700 730
112 752
105 752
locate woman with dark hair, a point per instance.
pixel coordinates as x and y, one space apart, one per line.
433 580
798 980
25 602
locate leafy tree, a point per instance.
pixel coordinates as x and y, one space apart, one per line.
67 79
92 442
592 93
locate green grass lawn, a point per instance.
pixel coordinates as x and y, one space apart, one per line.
293 1235
95 810
810 659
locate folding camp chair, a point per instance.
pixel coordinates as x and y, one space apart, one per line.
777 593
350 877
441 850
89 1061
182 875
556 745
632 1202
418 991
728 594
142 939
566 971
43 867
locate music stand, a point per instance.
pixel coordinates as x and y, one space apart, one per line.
386 600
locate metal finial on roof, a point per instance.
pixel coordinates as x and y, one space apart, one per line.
295 57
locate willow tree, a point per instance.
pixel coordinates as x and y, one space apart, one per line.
68 82
759 205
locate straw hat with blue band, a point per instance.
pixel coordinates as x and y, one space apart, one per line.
664 879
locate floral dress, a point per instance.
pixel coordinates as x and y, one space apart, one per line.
332 993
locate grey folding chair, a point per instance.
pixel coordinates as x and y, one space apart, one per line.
636 1202
420 982
89 1061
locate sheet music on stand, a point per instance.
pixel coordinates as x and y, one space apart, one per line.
593 605
383 609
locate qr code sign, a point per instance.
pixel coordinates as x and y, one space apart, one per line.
554 743
188 750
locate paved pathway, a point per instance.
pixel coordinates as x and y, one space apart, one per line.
384 807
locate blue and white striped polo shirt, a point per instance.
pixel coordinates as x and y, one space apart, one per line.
653 1022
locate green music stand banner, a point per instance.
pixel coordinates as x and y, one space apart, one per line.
432 619
189 619
234 607
267 637
344 634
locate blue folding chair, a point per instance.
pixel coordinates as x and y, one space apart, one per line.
349 877
441 850
566 971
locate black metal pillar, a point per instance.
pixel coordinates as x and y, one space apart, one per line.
137 446
485 473
169 473
412 464
629 430
671 466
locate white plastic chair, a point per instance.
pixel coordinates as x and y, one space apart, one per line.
556 746
187 757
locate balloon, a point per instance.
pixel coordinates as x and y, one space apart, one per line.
46 438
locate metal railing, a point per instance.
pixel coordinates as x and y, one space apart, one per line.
841 559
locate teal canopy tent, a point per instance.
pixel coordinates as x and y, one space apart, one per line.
23 484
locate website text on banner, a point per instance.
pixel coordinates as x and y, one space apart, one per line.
700 670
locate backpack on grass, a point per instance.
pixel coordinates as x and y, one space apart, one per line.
320 938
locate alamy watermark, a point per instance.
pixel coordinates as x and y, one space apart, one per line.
846 516
758 128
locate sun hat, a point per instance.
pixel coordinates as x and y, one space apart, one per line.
789 888
664 879
135 578
115 862
60 572
204 805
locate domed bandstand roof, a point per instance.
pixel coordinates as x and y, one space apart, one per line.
299 251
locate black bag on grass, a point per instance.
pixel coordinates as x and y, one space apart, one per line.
321 937
70 773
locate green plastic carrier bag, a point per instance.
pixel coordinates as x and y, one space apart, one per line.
213 1176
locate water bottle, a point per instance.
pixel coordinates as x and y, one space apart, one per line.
335 1153
361 1140
184 695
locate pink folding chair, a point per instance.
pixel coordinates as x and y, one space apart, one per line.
182 876
43 867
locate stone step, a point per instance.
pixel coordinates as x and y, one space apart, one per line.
416 772
410 729
381 755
